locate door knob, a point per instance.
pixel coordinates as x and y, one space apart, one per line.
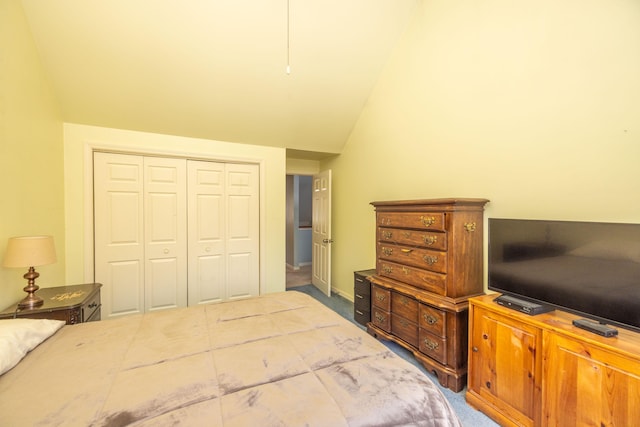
327 240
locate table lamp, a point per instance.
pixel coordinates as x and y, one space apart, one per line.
30 251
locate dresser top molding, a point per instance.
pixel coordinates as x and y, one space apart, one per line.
449 203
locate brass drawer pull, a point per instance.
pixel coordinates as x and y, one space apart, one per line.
380 318
404 301
387 235
405 270
406 234
432 320
387 251
430 240
381 297
470 226
431 345
403 322
406 251
427 221
430 259
387 269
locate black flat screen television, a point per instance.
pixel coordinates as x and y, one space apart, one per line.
588 268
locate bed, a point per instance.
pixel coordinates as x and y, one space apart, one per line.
281 359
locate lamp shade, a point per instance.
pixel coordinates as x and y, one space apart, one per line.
29 251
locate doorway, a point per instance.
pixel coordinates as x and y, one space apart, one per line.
299 228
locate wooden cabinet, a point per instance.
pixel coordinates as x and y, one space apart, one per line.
543 371
590 383
73 304
362 296
504 366
428 263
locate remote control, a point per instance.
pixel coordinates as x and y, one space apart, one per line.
595 327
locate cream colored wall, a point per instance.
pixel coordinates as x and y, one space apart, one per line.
533 105
79 142
302 167
31 153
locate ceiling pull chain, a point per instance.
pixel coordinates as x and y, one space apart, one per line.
288 38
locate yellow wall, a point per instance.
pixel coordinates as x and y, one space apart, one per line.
79 140
533 105
31 153
302 167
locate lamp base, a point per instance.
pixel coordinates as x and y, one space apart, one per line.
31 300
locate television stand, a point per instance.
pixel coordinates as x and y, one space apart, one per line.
542 370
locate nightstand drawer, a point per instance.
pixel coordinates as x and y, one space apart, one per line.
362 316
91 309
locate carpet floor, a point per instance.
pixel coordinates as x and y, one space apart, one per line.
469 416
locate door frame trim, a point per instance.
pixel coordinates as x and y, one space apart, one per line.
90 147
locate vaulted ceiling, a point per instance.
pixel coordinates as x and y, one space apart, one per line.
217 69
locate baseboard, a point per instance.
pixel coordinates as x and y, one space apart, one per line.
343 295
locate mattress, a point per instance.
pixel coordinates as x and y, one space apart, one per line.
281 359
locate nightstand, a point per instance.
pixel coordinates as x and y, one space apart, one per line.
362 296
73 304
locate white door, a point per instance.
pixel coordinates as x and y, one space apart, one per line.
242 189
321 234
165 233
206 211
174 232
119 232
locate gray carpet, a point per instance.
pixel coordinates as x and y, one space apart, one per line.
469 416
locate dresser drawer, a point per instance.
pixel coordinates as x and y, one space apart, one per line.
404 306
381 298
405 329
416 220
381 319
427 280
427 239
433 320
433 346
421 258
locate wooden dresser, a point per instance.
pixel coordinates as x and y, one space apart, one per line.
429 263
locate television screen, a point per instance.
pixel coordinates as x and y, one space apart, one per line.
589 268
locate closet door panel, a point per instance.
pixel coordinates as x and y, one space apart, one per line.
243 261
165 214
206 212
118 239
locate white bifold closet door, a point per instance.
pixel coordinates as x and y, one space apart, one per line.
173 232
223 231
